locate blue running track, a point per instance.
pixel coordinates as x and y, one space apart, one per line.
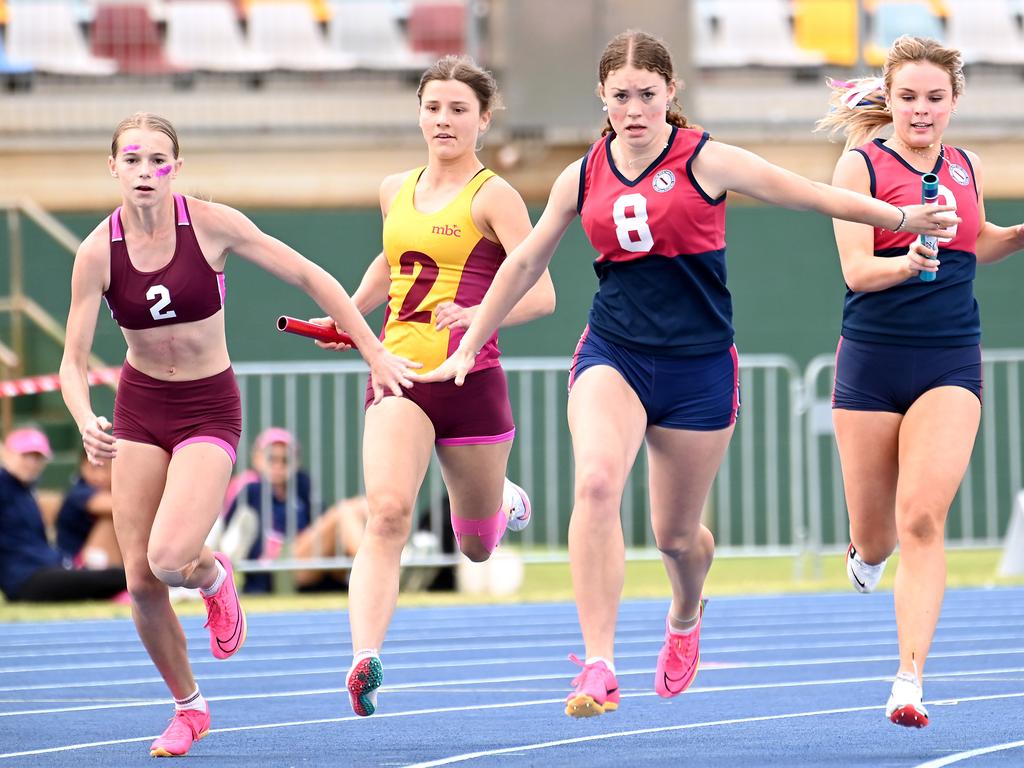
786 681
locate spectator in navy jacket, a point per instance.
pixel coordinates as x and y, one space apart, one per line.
30 569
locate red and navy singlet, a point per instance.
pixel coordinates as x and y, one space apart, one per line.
661 252
939 313
186 290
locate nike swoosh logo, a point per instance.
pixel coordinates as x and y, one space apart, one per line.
232 642
853 573
672 683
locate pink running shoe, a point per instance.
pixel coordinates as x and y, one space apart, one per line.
225 616
678 660
362 682
597 690
187 727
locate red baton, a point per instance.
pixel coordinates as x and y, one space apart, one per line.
326 333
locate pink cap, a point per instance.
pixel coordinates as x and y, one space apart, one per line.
272 435
28 440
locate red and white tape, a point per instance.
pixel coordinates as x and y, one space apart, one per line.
33 385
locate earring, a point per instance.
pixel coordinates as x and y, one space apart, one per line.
604 108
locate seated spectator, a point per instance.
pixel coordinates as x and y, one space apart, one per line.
256 521
30 569
85 525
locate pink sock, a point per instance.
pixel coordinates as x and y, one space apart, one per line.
490 530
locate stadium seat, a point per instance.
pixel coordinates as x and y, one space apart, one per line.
127 34
205 35
13 70
47 35
750 33
939 7
985 31
892 18
321 9
437 28
368 31
829 28
287 34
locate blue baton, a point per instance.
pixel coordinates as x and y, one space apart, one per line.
929 196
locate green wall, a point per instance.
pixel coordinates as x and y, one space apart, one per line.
783 273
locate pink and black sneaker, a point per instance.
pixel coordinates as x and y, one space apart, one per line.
596 690
225 616
187 727
678 659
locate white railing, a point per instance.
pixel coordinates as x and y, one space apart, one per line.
755 505
981 509
778 492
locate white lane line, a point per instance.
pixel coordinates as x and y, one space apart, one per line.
646 639
441 629
778 664
961 756
474 708
739 665
666 729
447 687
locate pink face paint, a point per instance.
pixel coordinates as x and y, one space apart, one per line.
161 172
132 148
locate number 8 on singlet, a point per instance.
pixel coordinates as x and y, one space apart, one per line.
625 225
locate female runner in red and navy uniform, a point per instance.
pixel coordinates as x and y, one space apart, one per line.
907 397
158 261
656 363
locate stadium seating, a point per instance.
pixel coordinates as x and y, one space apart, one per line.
985 31
204 35
828 28
289 36
748 33
46 34
368 31
892 18
437 28
127 34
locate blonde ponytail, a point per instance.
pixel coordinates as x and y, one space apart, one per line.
857 110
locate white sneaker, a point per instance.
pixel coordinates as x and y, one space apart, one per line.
904 706
517 505
863 576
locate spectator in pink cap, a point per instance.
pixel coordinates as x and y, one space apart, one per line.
256 519
30 569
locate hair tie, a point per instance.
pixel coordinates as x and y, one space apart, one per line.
869 92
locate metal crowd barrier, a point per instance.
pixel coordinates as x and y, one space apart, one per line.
982 508
778 492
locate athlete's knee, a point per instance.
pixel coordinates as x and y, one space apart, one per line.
478 538
920 525
171 570
145 589
676 540
474 549
390 517
598 483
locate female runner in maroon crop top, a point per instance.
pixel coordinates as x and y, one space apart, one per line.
158 261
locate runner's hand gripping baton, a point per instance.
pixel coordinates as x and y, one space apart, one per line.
326 333
929 196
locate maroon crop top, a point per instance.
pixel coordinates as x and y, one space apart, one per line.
186 290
